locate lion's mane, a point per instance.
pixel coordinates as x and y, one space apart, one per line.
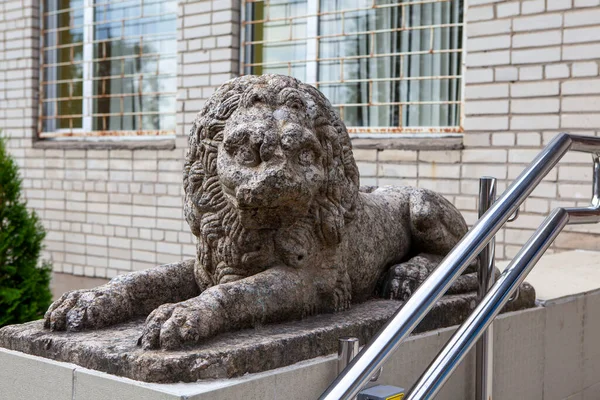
213 220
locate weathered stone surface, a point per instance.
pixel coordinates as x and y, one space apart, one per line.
114 349
283 230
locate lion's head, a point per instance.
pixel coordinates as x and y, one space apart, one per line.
266 154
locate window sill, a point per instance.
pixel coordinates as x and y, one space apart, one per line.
167 143
398 141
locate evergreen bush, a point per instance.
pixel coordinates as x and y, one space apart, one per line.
24 284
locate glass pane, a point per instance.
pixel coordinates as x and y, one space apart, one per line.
132 65
392 56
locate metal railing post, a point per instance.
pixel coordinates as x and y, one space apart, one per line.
347 350
485 274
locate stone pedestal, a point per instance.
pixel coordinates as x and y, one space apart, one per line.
114 350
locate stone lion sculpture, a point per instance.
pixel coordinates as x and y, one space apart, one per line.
283 229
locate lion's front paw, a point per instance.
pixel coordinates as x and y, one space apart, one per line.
172 325
87 309
403 279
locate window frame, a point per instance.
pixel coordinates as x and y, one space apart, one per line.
86 131
312 16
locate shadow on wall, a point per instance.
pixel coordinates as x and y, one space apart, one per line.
62 283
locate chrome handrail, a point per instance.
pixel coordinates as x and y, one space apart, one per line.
358 373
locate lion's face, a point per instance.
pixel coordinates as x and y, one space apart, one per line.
269 175
270 163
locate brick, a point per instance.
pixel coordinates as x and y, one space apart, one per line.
534 56
583 17
547 88
530 73
397 170
577 104
535 106
479 2
490 91
575 173
168 248
581 86
486 123
508 9
554 5
479 75
488 43
446 157
480 13
486 107
503 139
365 155
581 35
532 6
533 139
435 170
538 22
367 169
488 58
587 3
534 122
397 155
484 155
585 69
581 52
521 156
197 7
507 74
580 121
479 170
197 32
557 71
493 27
440 185
575 191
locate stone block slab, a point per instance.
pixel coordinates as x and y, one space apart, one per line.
115 350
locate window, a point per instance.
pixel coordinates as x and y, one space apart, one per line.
386 65
108 68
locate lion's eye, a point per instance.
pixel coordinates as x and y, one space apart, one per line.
295 103
247 156
306 157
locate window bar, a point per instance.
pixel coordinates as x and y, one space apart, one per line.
358 33
52 90
88 54
429 76
312 45
358 57
283 19
141 78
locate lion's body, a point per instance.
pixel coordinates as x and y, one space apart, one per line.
272 197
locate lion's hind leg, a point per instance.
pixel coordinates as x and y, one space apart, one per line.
436 226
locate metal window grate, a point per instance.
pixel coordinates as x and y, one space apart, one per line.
108 68
386 65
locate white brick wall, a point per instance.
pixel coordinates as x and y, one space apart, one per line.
111 211
532 71
553 86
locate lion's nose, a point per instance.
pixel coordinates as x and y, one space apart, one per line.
251 197
265 193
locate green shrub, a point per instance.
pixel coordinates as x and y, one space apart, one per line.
24 287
